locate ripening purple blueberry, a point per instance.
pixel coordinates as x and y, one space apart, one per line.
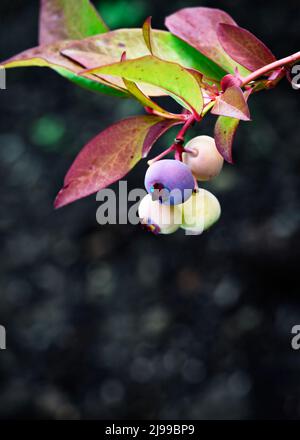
169 181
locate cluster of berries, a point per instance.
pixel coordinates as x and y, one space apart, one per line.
174 199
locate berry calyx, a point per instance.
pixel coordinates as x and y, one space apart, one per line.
204 160
169 181
159 218
200 212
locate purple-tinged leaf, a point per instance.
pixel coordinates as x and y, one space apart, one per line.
111 155
42 56
232 103
50 56
68 20
244 47
198 27
156 131
107 48
224 133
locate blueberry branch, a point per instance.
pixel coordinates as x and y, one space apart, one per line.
177 146
181 134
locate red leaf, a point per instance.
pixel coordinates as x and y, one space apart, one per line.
244 47
229 81
111 155
232 103
198 27
225 130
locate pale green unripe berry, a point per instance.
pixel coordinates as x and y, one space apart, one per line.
200 212
206 162
159 218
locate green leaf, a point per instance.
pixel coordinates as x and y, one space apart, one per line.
90 84
111 155
173 78
68 19
145 100
160 52
108 48
49 56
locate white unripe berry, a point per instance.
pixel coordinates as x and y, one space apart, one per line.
200 212
159 218
205 162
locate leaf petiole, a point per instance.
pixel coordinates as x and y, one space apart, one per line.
179 116
161 155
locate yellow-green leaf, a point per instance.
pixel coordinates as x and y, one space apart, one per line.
108 48
171 77
145 100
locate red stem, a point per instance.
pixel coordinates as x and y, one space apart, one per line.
272 66
178 154
181 134
179 140
163 154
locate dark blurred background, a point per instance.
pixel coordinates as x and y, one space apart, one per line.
111 322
